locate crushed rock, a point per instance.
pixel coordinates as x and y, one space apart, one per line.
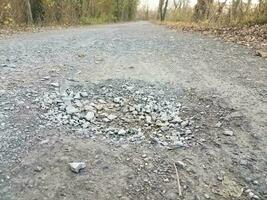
142 114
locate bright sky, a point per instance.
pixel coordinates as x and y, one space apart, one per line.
153 4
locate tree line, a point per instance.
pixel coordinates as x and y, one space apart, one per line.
215 11
66 11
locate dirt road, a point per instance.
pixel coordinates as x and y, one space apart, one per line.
130 100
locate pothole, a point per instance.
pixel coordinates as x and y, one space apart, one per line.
122 111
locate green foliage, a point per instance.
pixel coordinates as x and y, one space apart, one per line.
5 15
95 20
183 15
72 11
262 19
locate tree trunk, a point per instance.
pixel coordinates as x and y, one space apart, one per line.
28 12
165 10
161 2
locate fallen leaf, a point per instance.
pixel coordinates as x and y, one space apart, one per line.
230 188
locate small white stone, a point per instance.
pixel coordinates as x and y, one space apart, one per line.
188 131
38 169
253 196
171 195
54 84
177 144
176 120
88 108
161 124
44 141
78 103
184 124
71 110
84 94
111 117
106 120
130 88
102 101
144 156
117 99
89 116
77 166
218 125
98 106
121 132
131 109
85 124
77 96
164 117
228 133
2 92
180 164
148 119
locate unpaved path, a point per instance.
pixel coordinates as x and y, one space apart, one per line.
214 81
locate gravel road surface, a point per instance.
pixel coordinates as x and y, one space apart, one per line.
131 100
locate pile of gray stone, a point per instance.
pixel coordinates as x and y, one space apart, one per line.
121 113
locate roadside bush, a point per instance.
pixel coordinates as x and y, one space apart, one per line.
96 20
44 12
219 13
5 15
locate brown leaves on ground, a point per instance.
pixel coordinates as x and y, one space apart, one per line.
251 36
6 31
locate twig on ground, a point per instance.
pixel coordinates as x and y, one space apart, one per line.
178 180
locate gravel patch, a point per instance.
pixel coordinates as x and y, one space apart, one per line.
122 112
